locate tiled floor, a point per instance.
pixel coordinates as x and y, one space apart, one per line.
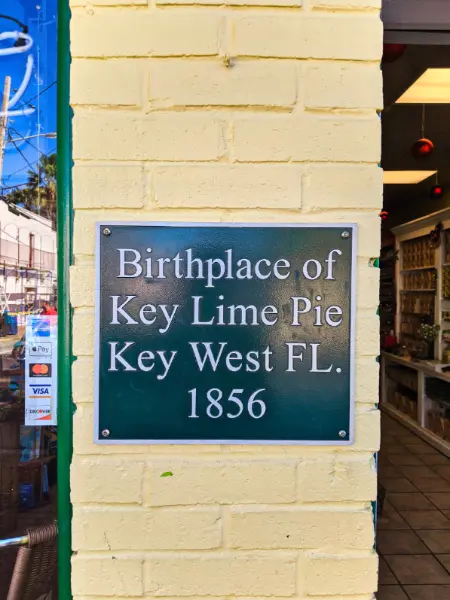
413 531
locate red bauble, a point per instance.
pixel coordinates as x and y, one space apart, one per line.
392 52
422 148
436 192
384 215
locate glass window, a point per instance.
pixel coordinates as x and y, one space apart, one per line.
28 283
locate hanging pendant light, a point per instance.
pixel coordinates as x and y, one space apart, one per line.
423 147
437 191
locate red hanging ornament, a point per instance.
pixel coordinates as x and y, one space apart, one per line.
384 215
392 52
436 192
422 148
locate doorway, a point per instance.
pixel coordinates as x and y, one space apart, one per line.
413 520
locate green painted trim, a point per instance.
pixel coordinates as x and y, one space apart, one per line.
64 234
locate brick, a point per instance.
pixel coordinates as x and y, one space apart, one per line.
367 429
369 233
108 186
130 32
337 479
343 85
297 527
341 574
309 137
127 136
85 223
110 528
228 186
343 36
222 573
83 439
220 481
107 479
83 379
366 380
107 82
75 3
346 4
339 186
111 576
211 83
83 332
82 286
275 3
367 333
368 285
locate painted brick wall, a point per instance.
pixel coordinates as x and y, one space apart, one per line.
236 110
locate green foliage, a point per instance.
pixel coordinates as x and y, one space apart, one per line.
39 193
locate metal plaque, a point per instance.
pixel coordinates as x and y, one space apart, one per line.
224 333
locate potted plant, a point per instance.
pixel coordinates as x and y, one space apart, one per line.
428 333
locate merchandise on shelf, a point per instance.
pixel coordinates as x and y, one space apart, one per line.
417 253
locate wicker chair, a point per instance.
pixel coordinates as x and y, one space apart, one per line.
34 574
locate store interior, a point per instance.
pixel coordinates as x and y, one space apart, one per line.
413 520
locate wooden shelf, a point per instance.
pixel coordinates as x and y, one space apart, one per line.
427 435
417 269
416 291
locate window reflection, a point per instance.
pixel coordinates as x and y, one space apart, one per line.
28 282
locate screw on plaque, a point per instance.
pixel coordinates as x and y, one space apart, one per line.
107 231
342 433
106 433
345 235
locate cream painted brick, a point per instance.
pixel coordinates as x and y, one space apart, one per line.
83 332
341 574
367 333
111 576
74 3
220 481
228 186
296 3
127 136
132 32
346 4
108 186
343 85
83 438
107 479
211 83
233 574
83 379
366 380
369 233
343 186
368 223
338 478
108 528
308 137
338 36
147 597
82 286
85 223
107 82
297 527
367 428
368 285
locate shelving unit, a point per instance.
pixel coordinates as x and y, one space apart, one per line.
414 389
387 290
395 398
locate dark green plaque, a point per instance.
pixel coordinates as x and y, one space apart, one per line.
224 333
